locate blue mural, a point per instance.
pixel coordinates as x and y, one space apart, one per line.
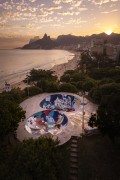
46 121
61 102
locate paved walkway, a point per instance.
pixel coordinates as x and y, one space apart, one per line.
73 128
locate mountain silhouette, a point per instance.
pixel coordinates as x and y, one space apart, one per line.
44 43
65 40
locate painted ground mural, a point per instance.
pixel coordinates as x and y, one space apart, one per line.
61 102
47 121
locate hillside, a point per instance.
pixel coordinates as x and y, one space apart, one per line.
71 39
65 40
44 43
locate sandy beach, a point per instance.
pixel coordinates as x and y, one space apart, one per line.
58 69
70 65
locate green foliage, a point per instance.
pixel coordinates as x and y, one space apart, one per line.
106 81
16 95
71 72
65 78
44 81
106 74
103 61
111 88
32 159
37 159
67 87
95 61
79 85
79 80
53 87
48 86
88 84
96 95
98 74
73 76
85 60
108 116
38 75
10 115
101 73
32 90
114 73
106 89
78 76
10 111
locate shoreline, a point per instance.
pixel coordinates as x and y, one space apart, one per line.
58 69
72 64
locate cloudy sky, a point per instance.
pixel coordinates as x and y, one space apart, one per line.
23 19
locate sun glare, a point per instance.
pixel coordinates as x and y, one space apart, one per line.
108 32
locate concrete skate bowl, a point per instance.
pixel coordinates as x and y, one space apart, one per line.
64 102
47 121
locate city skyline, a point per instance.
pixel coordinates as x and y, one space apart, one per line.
21 20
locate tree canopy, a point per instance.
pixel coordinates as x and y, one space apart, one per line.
10 115
36 159
107 118
37 75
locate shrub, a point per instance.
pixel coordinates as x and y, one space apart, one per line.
33 90
67 87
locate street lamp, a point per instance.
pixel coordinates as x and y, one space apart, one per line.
83 114
83 94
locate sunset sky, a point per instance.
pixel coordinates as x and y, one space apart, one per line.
22 19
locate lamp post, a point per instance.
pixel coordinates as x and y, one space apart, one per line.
83 115
83 111
65 67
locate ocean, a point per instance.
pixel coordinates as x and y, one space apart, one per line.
15 64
